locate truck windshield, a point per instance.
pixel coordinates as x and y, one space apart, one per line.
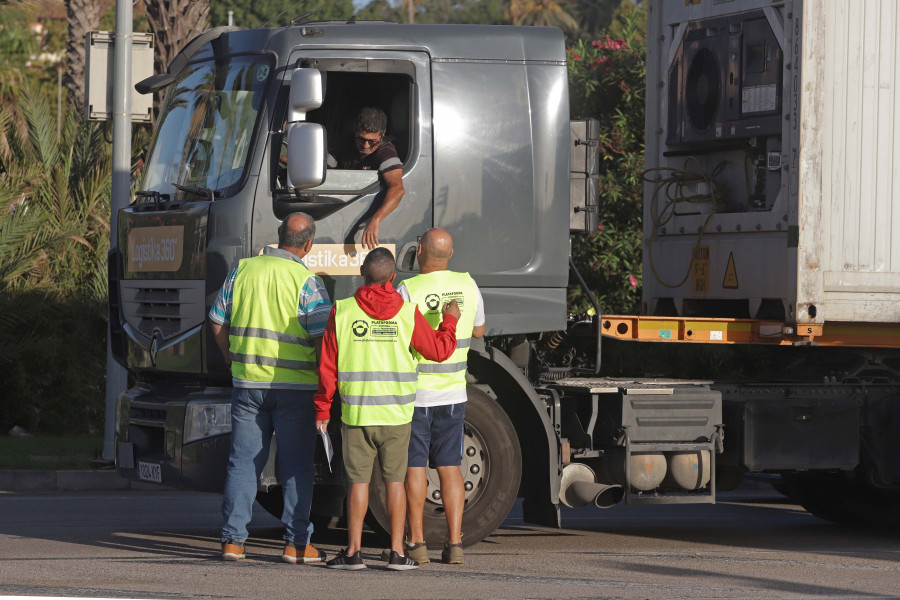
206 125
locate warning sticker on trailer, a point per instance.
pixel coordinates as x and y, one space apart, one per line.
730 282
700 270
759 98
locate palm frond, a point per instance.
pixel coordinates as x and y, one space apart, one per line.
41 126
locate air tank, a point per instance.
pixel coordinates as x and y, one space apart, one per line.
646 469
687 470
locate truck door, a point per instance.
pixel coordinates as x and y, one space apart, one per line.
398 84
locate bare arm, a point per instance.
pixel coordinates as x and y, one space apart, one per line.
478 331
220 333
394 181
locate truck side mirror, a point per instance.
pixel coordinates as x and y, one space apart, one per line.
306 149
306 155
307 93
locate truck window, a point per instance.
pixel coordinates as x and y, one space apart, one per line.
346 92
208 121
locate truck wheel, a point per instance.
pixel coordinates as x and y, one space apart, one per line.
491 469
844 502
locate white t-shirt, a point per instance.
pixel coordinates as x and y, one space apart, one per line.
432 397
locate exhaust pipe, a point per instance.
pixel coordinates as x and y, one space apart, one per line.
579 487
582 493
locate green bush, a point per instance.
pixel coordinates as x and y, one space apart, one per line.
55 382
606 81
54 237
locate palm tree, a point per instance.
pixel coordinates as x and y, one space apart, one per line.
174 23
542 13
83 16
410 10
54 201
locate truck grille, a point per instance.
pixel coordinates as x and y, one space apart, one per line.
170 306
148 416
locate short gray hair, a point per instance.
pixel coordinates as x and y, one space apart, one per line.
293 236
371 120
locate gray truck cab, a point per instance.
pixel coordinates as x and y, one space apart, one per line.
479 117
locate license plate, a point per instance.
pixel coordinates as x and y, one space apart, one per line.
149 472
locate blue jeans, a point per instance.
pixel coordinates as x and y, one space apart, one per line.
255 414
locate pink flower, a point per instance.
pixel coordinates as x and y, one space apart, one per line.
633 280
600 227
575 56
609 43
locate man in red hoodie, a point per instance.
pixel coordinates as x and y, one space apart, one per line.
366 357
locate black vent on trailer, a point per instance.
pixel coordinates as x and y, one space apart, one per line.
703 89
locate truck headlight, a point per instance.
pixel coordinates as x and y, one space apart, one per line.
206 420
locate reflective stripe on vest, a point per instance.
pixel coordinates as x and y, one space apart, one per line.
431 291
376 370
268 344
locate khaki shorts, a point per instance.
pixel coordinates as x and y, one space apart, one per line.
390 443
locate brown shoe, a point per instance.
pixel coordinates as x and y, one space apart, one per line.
304 554
418 552
452 554
232 550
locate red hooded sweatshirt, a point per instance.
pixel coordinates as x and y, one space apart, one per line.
380 302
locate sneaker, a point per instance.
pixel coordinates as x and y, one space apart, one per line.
347 562
401 563
232 550
452 554
418 552
305 554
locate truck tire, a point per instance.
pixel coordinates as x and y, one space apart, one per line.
845 502
492 471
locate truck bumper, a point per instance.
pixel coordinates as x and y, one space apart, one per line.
150 438
184 442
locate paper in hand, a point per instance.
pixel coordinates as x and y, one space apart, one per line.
326 441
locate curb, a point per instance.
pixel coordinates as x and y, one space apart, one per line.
68 481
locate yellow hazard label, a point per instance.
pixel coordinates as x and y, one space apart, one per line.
731 281
700 270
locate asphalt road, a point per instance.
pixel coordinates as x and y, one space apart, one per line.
164 544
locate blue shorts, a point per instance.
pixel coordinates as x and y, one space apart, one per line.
436 439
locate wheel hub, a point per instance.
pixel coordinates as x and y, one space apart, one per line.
473 467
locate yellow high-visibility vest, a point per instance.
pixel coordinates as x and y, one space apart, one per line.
431 291
267 342
376 369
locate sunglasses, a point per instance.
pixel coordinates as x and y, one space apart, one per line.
367 142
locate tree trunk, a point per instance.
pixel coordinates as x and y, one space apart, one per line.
83 16
174 23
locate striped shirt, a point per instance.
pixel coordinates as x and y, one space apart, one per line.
313 305
383 159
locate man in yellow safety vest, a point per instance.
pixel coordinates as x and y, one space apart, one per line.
436 437
366 357
268 321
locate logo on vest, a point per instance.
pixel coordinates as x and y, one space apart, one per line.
447 297
432 301
360 328
385 330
